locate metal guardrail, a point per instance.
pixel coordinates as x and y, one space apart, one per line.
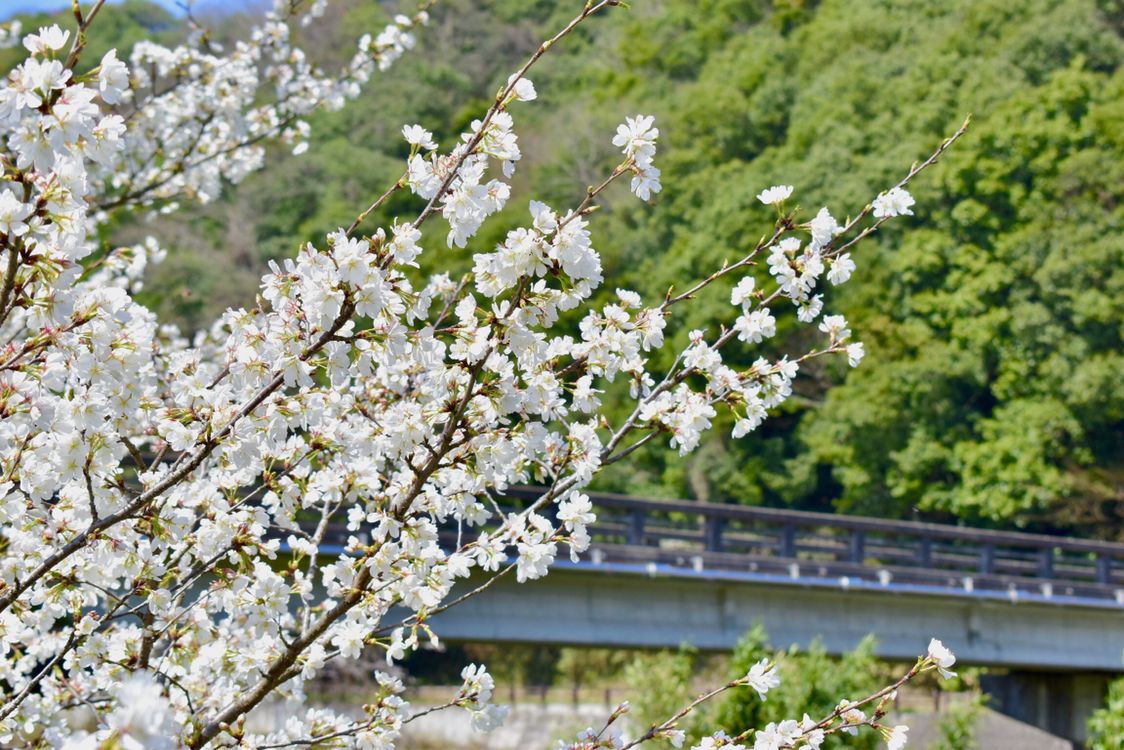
805 544
802 544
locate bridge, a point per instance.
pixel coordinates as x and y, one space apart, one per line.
660 573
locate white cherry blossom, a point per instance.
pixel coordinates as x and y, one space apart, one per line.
113 78
775 195
49 39
147 481
896 202
939 654
637 139
763 677
896 738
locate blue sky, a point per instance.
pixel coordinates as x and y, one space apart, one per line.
9 8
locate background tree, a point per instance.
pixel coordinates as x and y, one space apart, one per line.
169 559
995 402
968 419
1106 727
811 682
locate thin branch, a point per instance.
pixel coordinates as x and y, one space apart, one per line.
501 103
428 711
417 619
746 261
13 247
12 704
79 42
670 723
9 278
635 446
363 216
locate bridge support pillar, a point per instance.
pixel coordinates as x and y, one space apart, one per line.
1058 703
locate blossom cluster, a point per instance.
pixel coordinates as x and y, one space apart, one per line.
637 139
197 114
166 502
474 695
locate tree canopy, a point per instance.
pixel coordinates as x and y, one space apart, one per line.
991 390
992 324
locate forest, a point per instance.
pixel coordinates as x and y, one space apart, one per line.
992 318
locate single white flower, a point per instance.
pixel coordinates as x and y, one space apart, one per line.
855 353
646 183
942 657
813 735
824 228
113 78
487 717
743 291
852 718
637 139
841 269
835 326
895 738
524 90
12 214
416 135
775 195
763 677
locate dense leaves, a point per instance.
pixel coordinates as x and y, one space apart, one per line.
169 554
991 388
1106 727
810 681
992 326
997 330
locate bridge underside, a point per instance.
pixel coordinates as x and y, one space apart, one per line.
664 606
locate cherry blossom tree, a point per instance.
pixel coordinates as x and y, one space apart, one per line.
149 483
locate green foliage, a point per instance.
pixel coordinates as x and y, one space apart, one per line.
660 684
958 727
996 333
679 44
116 26
991 325
811 682
990 390
590 666
1106 726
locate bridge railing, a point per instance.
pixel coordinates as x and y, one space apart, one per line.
803 544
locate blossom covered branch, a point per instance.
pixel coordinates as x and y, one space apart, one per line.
166 503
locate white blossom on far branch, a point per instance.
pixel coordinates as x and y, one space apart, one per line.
775 195
762 677
941 657
147 481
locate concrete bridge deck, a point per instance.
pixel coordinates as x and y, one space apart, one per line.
661 606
